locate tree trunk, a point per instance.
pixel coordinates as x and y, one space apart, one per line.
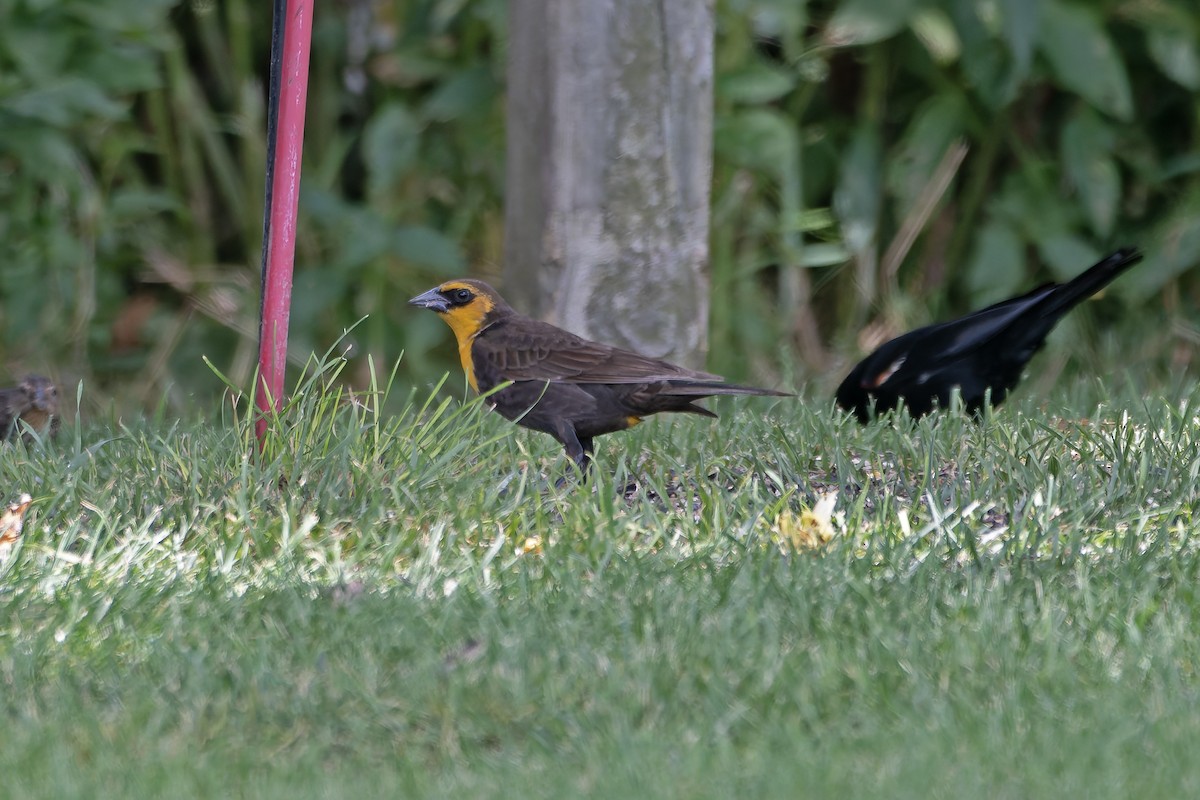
609 169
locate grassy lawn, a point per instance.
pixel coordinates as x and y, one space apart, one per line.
403 604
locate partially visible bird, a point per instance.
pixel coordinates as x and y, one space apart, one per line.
983 351
33 402
562 384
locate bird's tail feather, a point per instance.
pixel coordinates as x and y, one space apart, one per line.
709 388
1091 280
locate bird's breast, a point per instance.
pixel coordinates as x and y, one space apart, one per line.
468 360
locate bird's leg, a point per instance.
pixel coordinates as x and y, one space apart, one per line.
579 451
585 459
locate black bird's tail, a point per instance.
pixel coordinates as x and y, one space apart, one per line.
1068 295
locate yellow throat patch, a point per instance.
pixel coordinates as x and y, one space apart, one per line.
466 322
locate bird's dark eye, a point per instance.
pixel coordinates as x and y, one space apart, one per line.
462 295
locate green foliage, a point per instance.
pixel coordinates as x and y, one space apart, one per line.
135 143
1080 131
70 74
877 164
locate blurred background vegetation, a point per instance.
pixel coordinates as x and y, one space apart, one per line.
878 164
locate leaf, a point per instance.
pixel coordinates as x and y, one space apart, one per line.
137 203
937 33
1020 20
123 69
390 145
779 18
857 197
808 221
1084 59
364 236
825 254
758 138
37 52
1175 52
1183 164
1174 249
45 154
1027 199
64 102
426 246
996 267
756 83
1087 143
985 61
318 291
938 123
468 93
1067 255
128 17
858 22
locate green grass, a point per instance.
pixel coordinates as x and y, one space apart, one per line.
401 603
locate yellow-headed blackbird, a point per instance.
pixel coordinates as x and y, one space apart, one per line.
34 402
562 384
981 352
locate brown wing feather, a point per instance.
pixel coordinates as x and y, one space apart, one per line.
521 349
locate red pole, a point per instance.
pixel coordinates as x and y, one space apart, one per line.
289 95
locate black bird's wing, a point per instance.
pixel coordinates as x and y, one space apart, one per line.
945 342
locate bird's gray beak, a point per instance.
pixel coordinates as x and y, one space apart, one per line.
433 300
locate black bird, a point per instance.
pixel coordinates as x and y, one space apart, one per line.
985 350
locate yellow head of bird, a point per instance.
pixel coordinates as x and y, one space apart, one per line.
464 304
467 306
